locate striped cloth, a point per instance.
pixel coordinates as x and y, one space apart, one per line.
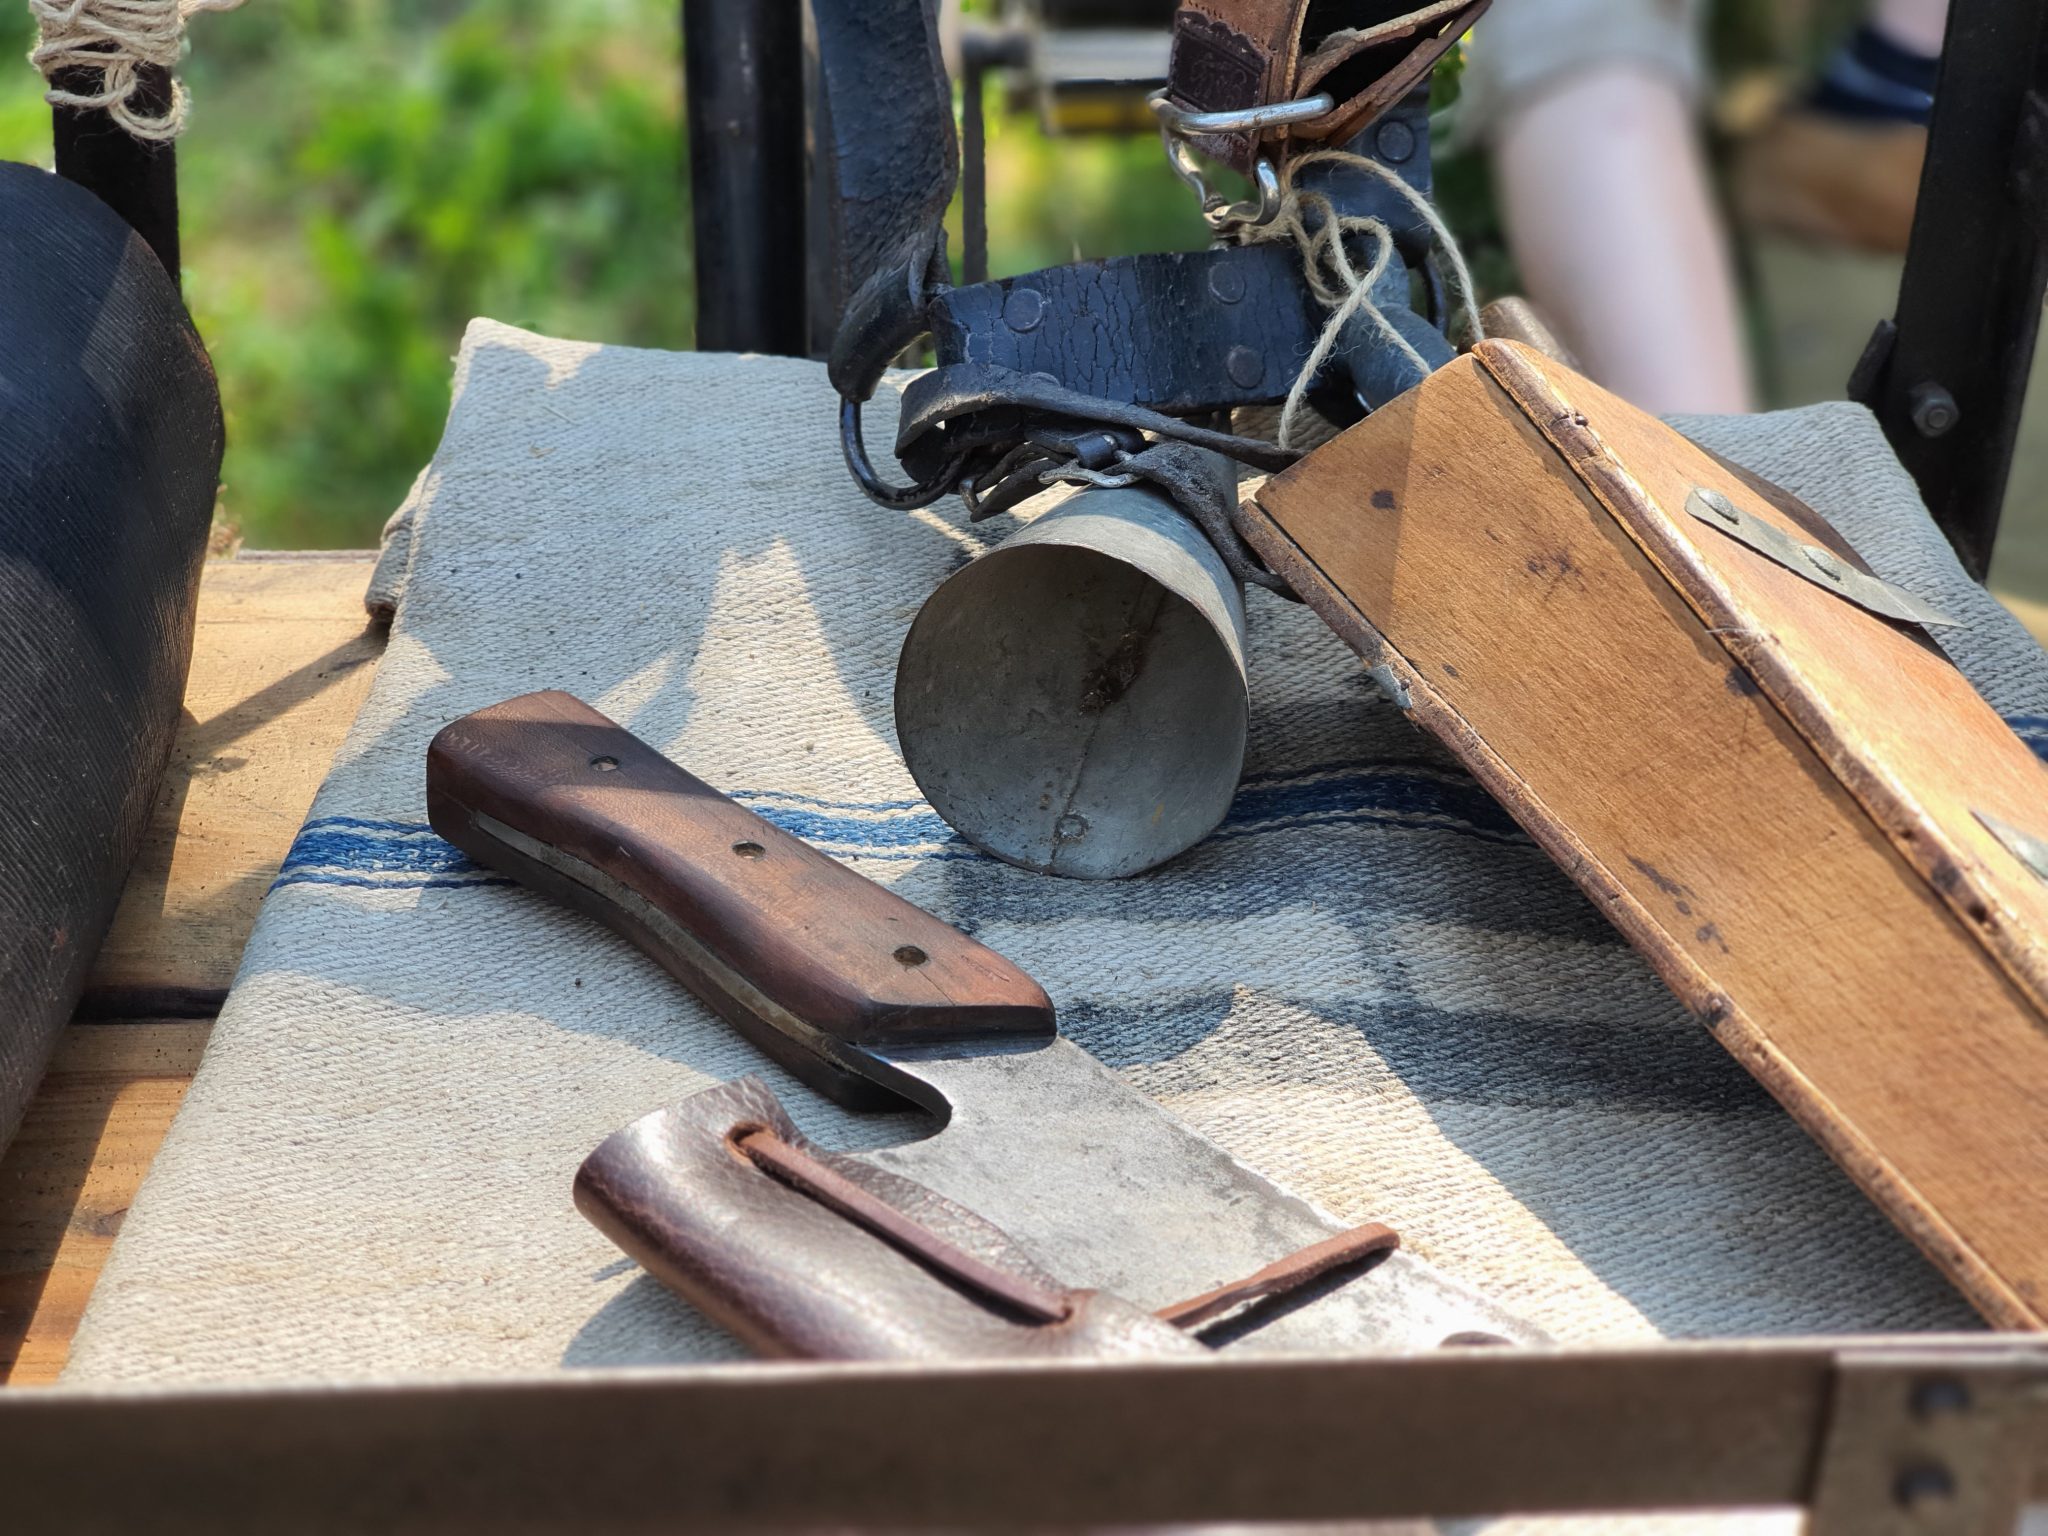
360 851
1368 983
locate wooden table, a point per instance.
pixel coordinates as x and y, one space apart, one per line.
281 661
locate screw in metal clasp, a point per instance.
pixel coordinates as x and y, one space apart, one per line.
1719 505
1823 562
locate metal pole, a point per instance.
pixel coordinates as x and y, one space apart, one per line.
1948 376
135 178
744 100
973 169
981 50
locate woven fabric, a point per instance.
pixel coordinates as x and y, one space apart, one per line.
1369 984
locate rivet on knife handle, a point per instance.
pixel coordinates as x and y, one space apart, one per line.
806 958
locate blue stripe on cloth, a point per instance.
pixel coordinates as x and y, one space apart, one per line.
377 854
365 852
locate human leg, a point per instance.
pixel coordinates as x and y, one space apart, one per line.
1590 107
1611 214
1914 24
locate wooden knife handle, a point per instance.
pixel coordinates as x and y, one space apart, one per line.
804 957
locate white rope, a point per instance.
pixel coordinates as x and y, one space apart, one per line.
1312 222
116 39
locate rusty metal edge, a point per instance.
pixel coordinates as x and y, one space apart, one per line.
1460 1433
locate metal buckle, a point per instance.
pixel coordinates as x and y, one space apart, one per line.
1177 125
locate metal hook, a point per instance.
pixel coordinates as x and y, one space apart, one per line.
1177 125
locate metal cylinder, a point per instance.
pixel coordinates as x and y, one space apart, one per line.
1074 700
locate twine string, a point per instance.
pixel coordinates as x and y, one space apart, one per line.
113 41
1322 235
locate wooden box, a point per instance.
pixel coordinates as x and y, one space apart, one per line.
1785 801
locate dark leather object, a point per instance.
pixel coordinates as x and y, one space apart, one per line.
1178 332
885 156
970 404
793 1279
1183 331
110 448
1367 54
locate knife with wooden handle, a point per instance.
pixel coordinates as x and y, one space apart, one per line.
874 1001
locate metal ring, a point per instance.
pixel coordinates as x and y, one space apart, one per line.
901 498
1277 114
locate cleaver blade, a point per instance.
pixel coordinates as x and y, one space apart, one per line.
875 1002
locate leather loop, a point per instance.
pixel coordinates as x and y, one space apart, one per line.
832 1189
1371 1241
793 1278
886 314
972 405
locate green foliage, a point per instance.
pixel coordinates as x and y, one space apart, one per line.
1055 200
362 178
24 120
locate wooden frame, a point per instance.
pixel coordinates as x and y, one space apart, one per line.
1871 1437
1840 1427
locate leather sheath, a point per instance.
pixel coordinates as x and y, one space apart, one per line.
1229 55
793 1279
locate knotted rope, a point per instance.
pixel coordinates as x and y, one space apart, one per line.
116 39
1311 221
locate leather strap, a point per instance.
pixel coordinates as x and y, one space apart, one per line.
798 1168
1231 55
1181 332
885 157
1285 1276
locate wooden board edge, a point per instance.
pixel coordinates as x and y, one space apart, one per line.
1738 1033
1917 838
91 1135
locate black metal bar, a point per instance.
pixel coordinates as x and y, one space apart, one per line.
1950 383
134 177
981 50
744 99
973 170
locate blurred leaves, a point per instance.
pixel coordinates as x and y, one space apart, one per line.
362 178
